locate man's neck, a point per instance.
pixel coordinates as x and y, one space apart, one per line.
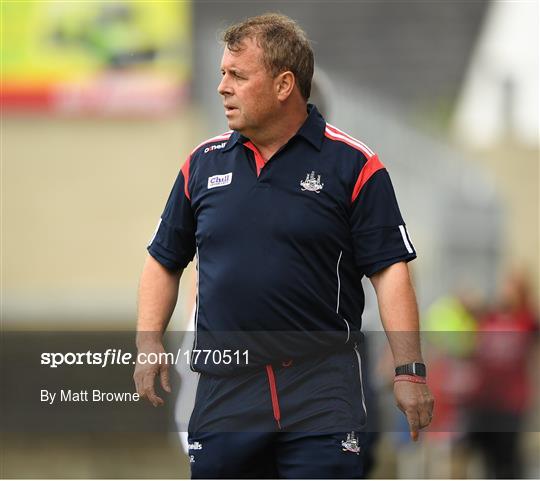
283 129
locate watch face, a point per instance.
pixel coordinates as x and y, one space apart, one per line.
419 369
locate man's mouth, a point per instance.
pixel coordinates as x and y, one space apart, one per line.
229 111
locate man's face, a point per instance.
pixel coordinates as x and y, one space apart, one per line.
247 89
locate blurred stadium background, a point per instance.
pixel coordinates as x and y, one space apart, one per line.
102 102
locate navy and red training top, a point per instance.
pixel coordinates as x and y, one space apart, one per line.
282 246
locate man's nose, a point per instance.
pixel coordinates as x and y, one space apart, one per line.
224 87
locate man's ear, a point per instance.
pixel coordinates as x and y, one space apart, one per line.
285 83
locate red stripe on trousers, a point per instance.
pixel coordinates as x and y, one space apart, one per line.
273 394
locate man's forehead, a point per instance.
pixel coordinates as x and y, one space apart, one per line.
247 51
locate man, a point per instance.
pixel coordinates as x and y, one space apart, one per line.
285 213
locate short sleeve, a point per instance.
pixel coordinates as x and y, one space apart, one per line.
379 235
173 243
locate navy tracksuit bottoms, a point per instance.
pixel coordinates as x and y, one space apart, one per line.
294 419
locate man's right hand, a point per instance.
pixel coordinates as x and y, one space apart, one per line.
158 292
145 372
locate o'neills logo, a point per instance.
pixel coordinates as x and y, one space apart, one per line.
219 180
215 147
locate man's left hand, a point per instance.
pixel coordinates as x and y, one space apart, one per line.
416 401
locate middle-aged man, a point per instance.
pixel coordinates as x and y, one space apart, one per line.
285 214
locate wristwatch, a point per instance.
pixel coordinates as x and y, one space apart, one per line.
412 369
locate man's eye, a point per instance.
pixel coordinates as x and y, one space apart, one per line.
233 74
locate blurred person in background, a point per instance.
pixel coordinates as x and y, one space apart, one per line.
286 214
507 335
451 323
449 326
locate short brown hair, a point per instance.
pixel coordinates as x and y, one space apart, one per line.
284 44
